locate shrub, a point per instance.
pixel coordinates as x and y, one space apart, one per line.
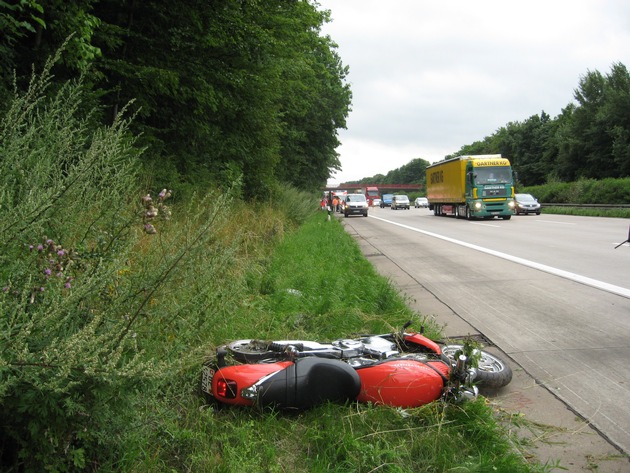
89 273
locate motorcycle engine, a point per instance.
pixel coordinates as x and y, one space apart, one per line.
349 347
379 347
374 347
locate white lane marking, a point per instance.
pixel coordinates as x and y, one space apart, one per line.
621 291
555 221
485 224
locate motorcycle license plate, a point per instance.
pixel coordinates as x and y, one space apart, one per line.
207 374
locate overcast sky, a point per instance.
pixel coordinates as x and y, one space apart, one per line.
429 77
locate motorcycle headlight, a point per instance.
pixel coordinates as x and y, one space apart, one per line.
250 393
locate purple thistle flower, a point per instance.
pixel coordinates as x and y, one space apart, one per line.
150 229
5 289
47 272
30 247
61 252
67 285
40 248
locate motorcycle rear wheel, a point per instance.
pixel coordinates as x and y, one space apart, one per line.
249 351
492 371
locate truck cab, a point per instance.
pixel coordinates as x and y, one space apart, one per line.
478 186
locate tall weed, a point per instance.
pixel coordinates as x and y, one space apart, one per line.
92 306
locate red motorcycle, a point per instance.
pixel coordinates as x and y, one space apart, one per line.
397 369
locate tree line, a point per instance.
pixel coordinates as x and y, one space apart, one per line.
589 139
226 91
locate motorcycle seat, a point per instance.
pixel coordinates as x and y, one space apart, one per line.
308 382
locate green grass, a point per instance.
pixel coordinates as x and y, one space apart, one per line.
314 289
587 212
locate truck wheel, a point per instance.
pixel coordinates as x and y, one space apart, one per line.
467 213
506 217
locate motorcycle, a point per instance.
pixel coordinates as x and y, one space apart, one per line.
401 369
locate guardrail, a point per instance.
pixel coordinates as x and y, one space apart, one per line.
588 206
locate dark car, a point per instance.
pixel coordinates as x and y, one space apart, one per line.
400 202
355 204
386 200
526 204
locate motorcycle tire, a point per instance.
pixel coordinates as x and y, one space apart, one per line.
492 371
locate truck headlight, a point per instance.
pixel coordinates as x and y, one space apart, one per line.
478 205
511 204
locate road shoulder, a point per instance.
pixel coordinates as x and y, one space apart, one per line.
546 430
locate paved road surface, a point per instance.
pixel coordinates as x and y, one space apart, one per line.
549 291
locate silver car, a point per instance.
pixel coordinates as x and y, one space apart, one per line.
400 202
421 202
355 204
526 204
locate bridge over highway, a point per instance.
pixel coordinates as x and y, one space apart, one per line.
383 188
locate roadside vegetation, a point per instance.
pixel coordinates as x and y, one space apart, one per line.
112 298
585 193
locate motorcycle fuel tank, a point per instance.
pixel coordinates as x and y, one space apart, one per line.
403 382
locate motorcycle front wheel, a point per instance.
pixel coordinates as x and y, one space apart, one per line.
492 371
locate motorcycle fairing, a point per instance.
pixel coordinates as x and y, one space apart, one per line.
419 339
403 382
290 385
243 376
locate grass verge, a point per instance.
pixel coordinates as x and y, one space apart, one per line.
315 285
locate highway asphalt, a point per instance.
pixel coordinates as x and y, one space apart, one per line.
556 431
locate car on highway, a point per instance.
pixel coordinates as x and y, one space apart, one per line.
400 201
526 204
376 202
386 200
355 204
421 202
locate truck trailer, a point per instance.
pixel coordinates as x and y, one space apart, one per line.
480 186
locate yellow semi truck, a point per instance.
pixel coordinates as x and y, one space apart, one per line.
480 186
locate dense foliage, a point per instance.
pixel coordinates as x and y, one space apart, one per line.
223 90
414 172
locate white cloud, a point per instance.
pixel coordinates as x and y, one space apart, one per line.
429 77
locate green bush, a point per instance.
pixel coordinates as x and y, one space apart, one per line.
583 191
90 274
